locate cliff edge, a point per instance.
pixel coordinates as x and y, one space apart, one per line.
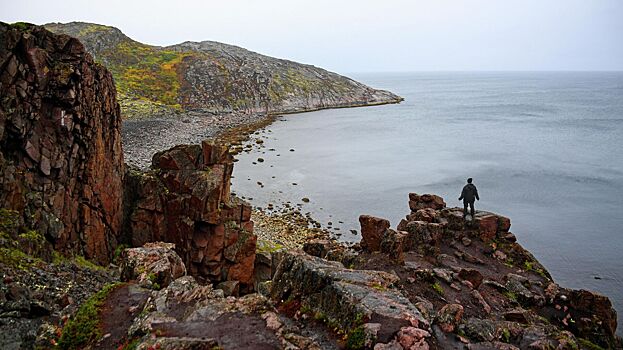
61 162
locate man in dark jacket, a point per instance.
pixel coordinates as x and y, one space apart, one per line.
468 195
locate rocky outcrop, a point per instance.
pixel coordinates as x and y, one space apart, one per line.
61 162
353 300
185 200
154 265
214 77
477 286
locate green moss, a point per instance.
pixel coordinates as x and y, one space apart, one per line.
84 329
16 258
506 335
81 261
146 72
21 25
510 295
438 288
9 220
153 278
120 248
378 287
305 309
264 246
589 345
356 338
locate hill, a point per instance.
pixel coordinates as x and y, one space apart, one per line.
214 77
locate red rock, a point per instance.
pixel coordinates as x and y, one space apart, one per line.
187 202
45 78
449 317
431 201
372 231
426 214
487 226
413 338
392 245
504 224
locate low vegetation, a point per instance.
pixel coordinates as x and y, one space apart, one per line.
84 329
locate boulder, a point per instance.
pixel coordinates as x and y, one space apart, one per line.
372 231
487 226
345 297
153 265
392 245
318 247
449 317
423 236
432 201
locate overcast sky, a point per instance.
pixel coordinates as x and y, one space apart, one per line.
362 35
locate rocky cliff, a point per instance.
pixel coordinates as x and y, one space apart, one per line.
185 199
61 162
214 77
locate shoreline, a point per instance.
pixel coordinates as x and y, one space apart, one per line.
142 137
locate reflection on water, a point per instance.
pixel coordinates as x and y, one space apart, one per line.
543 149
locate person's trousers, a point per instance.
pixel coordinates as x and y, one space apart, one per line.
471 208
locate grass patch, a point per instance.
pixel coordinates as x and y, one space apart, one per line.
81 261
83 329
510 295
506 335
438 288
21 25
356 338
16 258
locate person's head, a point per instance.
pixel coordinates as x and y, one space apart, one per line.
469 181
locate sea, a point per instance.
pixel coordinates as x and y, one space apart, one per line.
543 148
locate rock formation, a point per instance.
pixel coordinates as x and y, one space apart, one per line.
214 77
61 163
478 286
185 200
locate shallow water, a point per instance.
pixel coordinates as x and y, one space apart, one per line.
545 149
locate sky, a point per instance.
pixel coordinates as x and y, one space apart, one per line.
369 36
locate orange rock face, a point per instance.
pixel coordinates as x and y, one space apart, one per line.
61 162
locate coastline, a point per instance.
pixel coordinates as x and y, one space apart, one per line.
144 136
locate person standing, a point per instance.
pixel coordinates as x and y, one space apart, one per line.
469 195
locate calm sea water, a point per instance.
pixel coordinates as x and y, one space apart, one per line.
545 149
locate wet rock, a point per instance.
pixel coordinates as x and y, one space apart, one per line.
154 265
372 231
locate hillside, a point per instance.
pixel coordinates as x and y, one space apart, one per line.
215 77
